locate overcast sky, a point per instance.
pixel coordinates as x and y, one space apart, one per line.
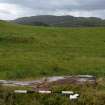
11 9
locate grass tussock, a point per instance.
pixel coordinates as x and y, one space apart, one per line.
88 96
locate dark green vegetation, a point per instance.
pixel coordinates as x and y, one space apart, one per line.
61 21
88 96
32 52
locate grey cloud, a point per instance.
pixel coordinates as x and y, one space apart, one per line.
60 4
59 7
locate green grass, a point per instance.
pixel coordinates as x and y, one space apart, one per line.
28 52
88 96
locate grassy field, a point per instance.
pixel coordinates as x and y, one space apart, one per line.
28 52
88 96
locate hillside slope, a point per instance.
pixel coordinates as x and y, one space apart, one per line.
31 52
61 21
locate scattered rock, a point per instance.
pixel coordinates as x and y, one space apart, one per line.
50 81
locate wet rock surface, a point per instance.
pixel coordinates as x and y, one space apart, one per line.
55 80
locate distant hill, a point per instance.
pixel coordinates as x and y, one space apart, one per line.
61 21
